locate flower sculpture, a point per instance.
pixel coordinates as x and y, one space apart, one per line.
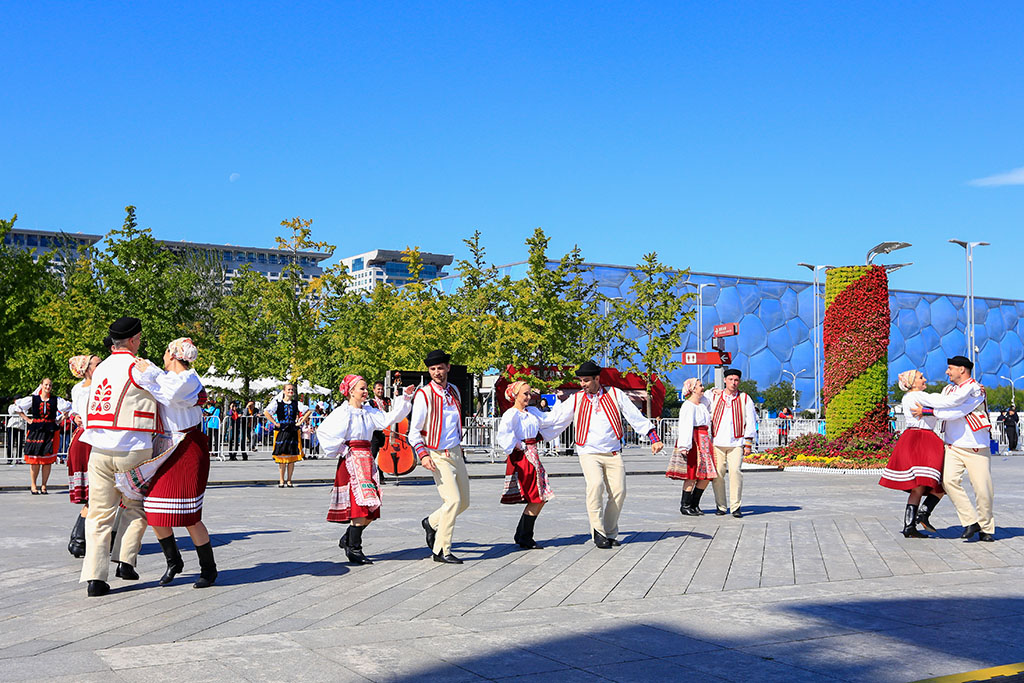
856 338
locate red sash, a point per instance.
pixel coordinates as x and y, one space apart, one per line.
583 411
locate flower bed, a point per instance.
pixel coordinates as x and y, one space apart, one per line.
814 450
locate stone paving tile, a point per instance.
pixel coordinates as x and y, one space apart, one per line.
173 673
305 666
381 662
651 669
561 676
733 665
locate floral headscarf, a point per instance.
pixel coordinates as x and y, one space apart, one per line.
183 349
349 382
689 385
906 379
512 390
79 365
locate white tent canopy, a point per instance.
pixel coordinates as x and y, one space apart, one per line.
232 382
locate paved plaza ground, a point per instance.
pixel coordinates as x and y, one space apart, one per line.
814 583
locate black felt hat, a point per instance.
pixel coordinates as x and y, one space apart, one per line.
588 369
125 328
732 371
960 361
436 357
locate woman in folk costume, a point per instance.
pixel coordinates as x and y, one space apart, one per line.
41 442
346 433
173 484
692 458
78 452
287 414
525 478
915 465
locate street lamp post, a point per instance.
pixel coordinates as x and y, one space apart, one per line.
969 296
794 375
1013 389
816 340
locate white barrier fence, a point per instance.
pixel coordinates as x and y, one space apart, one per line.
253 434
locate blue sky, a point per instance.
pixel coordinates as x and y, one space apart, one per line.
728 137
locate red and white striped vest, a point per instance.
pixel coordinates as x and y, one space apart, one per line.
435 399
738 414
977 419
117 402
584 407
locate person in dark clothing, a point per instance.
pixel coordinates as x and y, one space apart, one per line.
236 437
1010 425
383 404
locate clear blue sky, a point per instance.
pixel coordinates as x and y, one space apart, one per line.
729 137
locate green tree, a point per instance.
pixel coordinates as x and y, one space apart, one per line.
243 335
657 312
749 387
1000 398
779 396
24 285
555 317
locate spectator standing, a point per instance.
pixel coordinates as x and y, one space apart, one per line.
213 428
251 417
785 423
235 425
15 435
1011 422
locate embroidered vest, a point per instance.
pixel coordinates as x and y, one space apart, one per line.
738 414
977 420
435 413
40 414
584 407
282 416
117 402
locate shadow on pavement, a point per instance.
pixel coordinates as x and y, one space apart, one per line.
268 571
185 542
751 510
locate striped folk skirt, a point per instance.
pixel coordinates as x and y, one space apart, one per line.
356 490
916 460
526 480
698 462
175 497
78 469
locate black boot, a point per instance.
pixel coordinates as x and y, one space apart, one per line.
518 536
343 541
930 501
207 567
76 546
910 523
695 501
601 541
174 562
524 534
684 503
354 546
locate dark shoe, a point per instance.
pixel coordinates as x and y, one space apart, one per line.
174 562
615 543
910 523
719 512
684 502
355 556
353 540
431 533
97 588
280 486
737 514
970 531
601 541
695 501
290 485
76 546
912 532
44 491
207 567
245 456
126 571
923 516
233 457
986 537
447 558
34 492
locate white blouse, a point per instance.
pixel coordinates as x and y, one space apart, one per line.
178 394
910 401
80 399
691 415
515 427
346 423
25 405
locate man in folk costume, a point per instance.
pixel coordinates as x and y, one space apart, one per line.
120 421
733 427
435 434
965 430
383 404
597 413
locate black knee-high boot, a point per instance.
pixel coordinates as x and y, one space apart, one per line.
684 503
524 534
910 523
695 501
343 541
354 548
174 562
923 516
76 546
207 567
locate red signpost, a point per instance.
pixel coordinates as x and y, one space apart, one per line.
706 357
726 330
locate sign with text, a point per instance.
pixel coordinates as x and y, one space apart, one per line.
706 357
726 330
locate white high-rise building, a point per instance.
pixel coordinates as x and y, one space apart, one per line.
386 265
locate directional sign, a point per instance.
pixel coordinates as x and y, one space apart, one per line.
726 330
706 358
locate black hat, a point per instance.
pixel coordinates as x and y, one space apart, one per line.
588 369
960 361
732 371
436 357
125 328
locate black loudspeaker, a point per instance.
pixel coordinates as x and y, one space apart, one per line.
458 375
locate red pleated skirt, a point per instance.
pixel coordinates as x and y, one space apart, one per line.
176 495
526 481
916 460
78 469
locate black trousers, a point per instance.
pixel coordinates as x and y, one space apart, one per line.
376 442
235 437
1011 438
15 443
